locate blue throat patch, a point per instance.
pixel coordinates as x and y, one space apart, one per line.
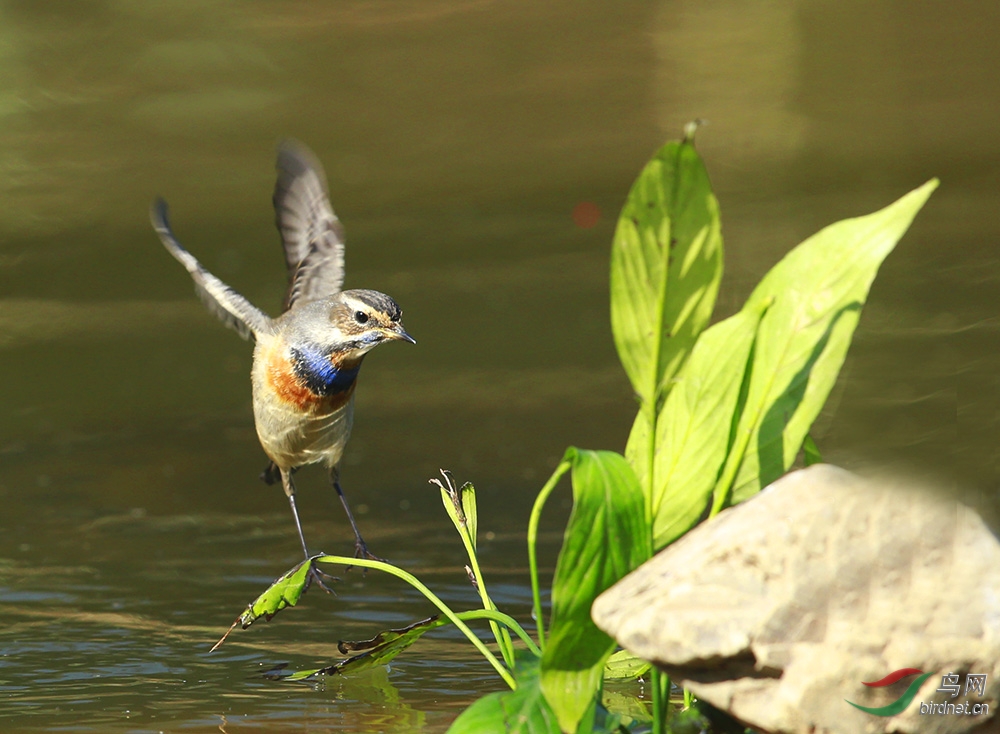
319 373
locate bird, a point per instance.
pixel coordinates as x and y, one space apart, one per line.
306 360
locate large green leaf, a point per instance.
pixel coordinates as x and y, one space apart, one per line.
522 711
666 262
694 429
816 294
526 711
606 538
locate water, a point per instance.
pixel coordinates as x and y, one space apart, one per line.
458 138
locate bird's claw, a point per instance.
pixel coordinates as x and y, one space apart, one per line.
319 577
361 551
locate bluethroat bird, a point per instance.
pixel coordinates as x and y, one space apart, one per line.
306 361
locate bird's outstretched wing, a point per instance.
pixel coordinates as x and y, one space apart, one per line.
233 310
311 233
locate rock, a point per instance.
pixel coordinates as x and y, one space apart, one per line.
779 608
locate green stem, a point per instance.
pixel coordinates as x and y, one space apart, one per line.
432 597
661 701
509 622
501 635
536 513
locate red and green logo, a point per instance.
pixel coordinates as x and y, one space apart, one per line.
900 704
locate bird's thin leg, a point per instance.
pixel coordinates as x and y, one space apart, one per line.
360 547
289 487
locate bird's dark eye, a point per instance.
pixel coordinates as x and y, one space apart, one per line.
361 317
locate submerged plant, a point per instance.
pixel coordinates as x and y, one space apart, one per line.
723 411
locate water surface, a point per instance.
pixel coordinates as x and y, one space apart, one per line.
458 138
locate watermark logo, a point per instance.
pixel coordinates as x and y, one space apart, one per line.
975 683
900 704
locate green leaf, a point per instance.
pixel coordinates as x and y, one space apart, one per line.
666 263
379 650
526 711
522 711
694 429
606 538
460 504
623 665
471 513
816 294
284 592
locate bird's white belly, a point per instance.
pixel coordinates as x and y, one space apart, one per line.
291 437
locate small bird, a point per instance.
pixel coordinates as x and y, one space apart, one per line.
306 361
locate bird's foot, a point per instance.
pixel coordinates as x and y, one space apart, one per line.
361 551
320 578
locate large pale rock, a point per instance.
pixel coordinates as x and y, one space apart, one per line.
779 608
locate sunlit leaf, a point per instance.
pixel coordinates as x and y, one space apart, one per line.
379 650
666 262
816 294
623 665
284 592
606 538
468 494
522 711
695 427
460 504
526 711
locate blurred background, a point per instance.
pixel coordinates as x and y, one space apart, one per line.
478 153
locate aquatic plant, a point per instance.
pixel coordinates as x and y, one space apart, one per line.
723 411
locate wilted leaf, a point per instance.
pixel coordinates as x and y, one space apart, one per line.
379 650
391 637
816 294
666 262
606 538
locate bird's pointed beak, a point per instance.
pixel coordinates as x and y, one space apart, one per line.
399 333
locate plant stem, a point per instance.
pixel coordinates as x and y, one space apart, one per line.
501 634
536 513
509 622
660 683
432 597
